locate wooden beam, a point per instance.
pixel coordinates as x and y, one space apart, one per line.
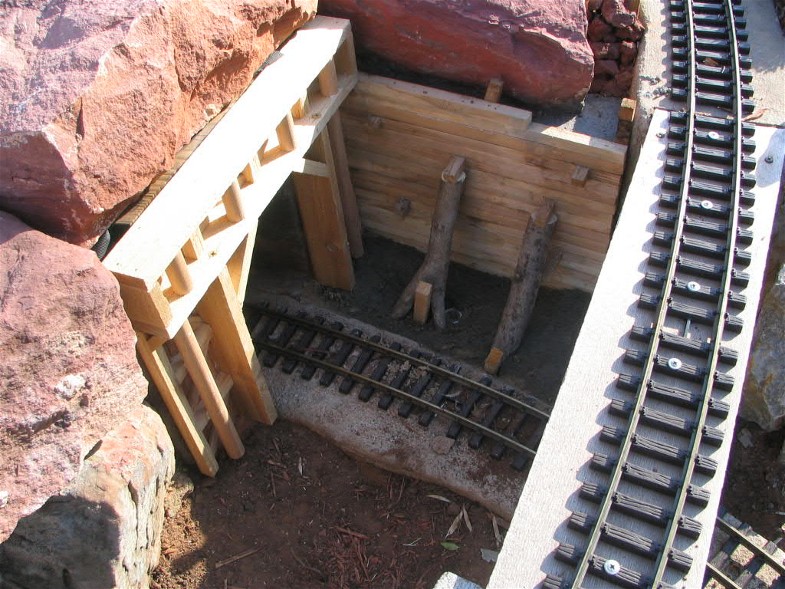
205 384
321 213
493 92
579 175
234 349
351 213
422 302
160 370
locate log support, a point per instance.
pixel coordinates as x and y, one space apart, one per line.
525 284
437 259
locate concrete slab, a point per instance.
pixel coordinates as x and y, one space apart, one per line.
453 581
561 465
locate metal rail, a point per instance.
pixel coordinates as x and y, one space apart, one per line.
680 380
475 406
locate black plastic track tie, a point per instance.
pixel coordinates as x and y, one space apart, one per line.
708 122
667 422
624 578
696 245
708 32
325 343
366 392
441 394
642 510
306 338
467 406
684 398
680 343
689 289
386 399
405 408
270 358
359 365
339 359
554 582
475 440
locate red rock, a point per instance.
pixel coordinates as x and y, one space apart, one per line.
628 52
68 369
593 5
538 47
634 32
605 50
600 84
624 78
598 29
616 14
96 97
610 38
606 67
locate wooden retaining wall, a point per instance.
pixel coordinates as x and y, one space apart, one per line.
400 136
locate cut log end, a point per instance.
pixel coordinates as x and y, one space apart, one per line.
494 361
422 301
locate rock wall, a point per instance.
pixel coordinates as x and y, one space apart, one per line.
68 368
614 33
97 96
763 401
538 47
105 529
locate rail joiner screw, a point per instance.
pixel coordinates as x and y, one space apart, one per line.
707 204
693 286
674 363
769 159
612 567
714 135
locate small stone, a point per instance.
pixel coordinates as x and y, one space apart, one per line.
70 385
442 445
745 438
3 498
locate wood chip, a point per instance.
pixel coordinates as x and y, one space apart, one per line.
466 518
455 523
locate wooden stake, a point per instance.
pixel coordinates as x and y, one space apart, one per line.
437 260
200 373
579 176
233 202
285 133
422 302
494 90
524 287
179 276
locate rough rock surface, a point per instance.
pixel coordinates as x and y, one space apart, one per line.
763 400
105 529
614 33
68 368
538 47
97 96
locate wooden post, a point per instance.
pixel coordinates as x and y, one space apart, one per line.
626 118
494 90
179 276
351 213
233 202
524 287
200 373
160 370
437 260
422 302
579 176
321 213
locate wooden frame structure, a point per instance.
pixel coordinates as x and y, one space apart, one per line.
183 265
398 133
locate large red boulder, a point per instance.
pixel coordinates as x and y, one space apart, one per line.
68 369
96 96
538 47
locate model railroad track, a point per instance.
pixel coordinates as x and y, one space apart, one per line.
744 559
420 385
636 521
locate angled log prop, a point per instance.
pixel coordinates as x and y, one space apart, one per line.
525 284
433 270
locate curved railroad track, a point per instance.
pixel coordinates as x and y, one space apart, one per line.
423 385
635 528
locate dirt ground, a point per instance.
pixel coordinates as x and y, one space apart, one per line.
296 512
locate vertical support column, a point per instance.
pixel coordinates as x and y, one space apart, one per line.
234 349
351 213
321 212
160 370
179 276
200 373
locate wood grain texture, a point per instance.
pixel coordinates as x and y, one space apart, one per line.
398 133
